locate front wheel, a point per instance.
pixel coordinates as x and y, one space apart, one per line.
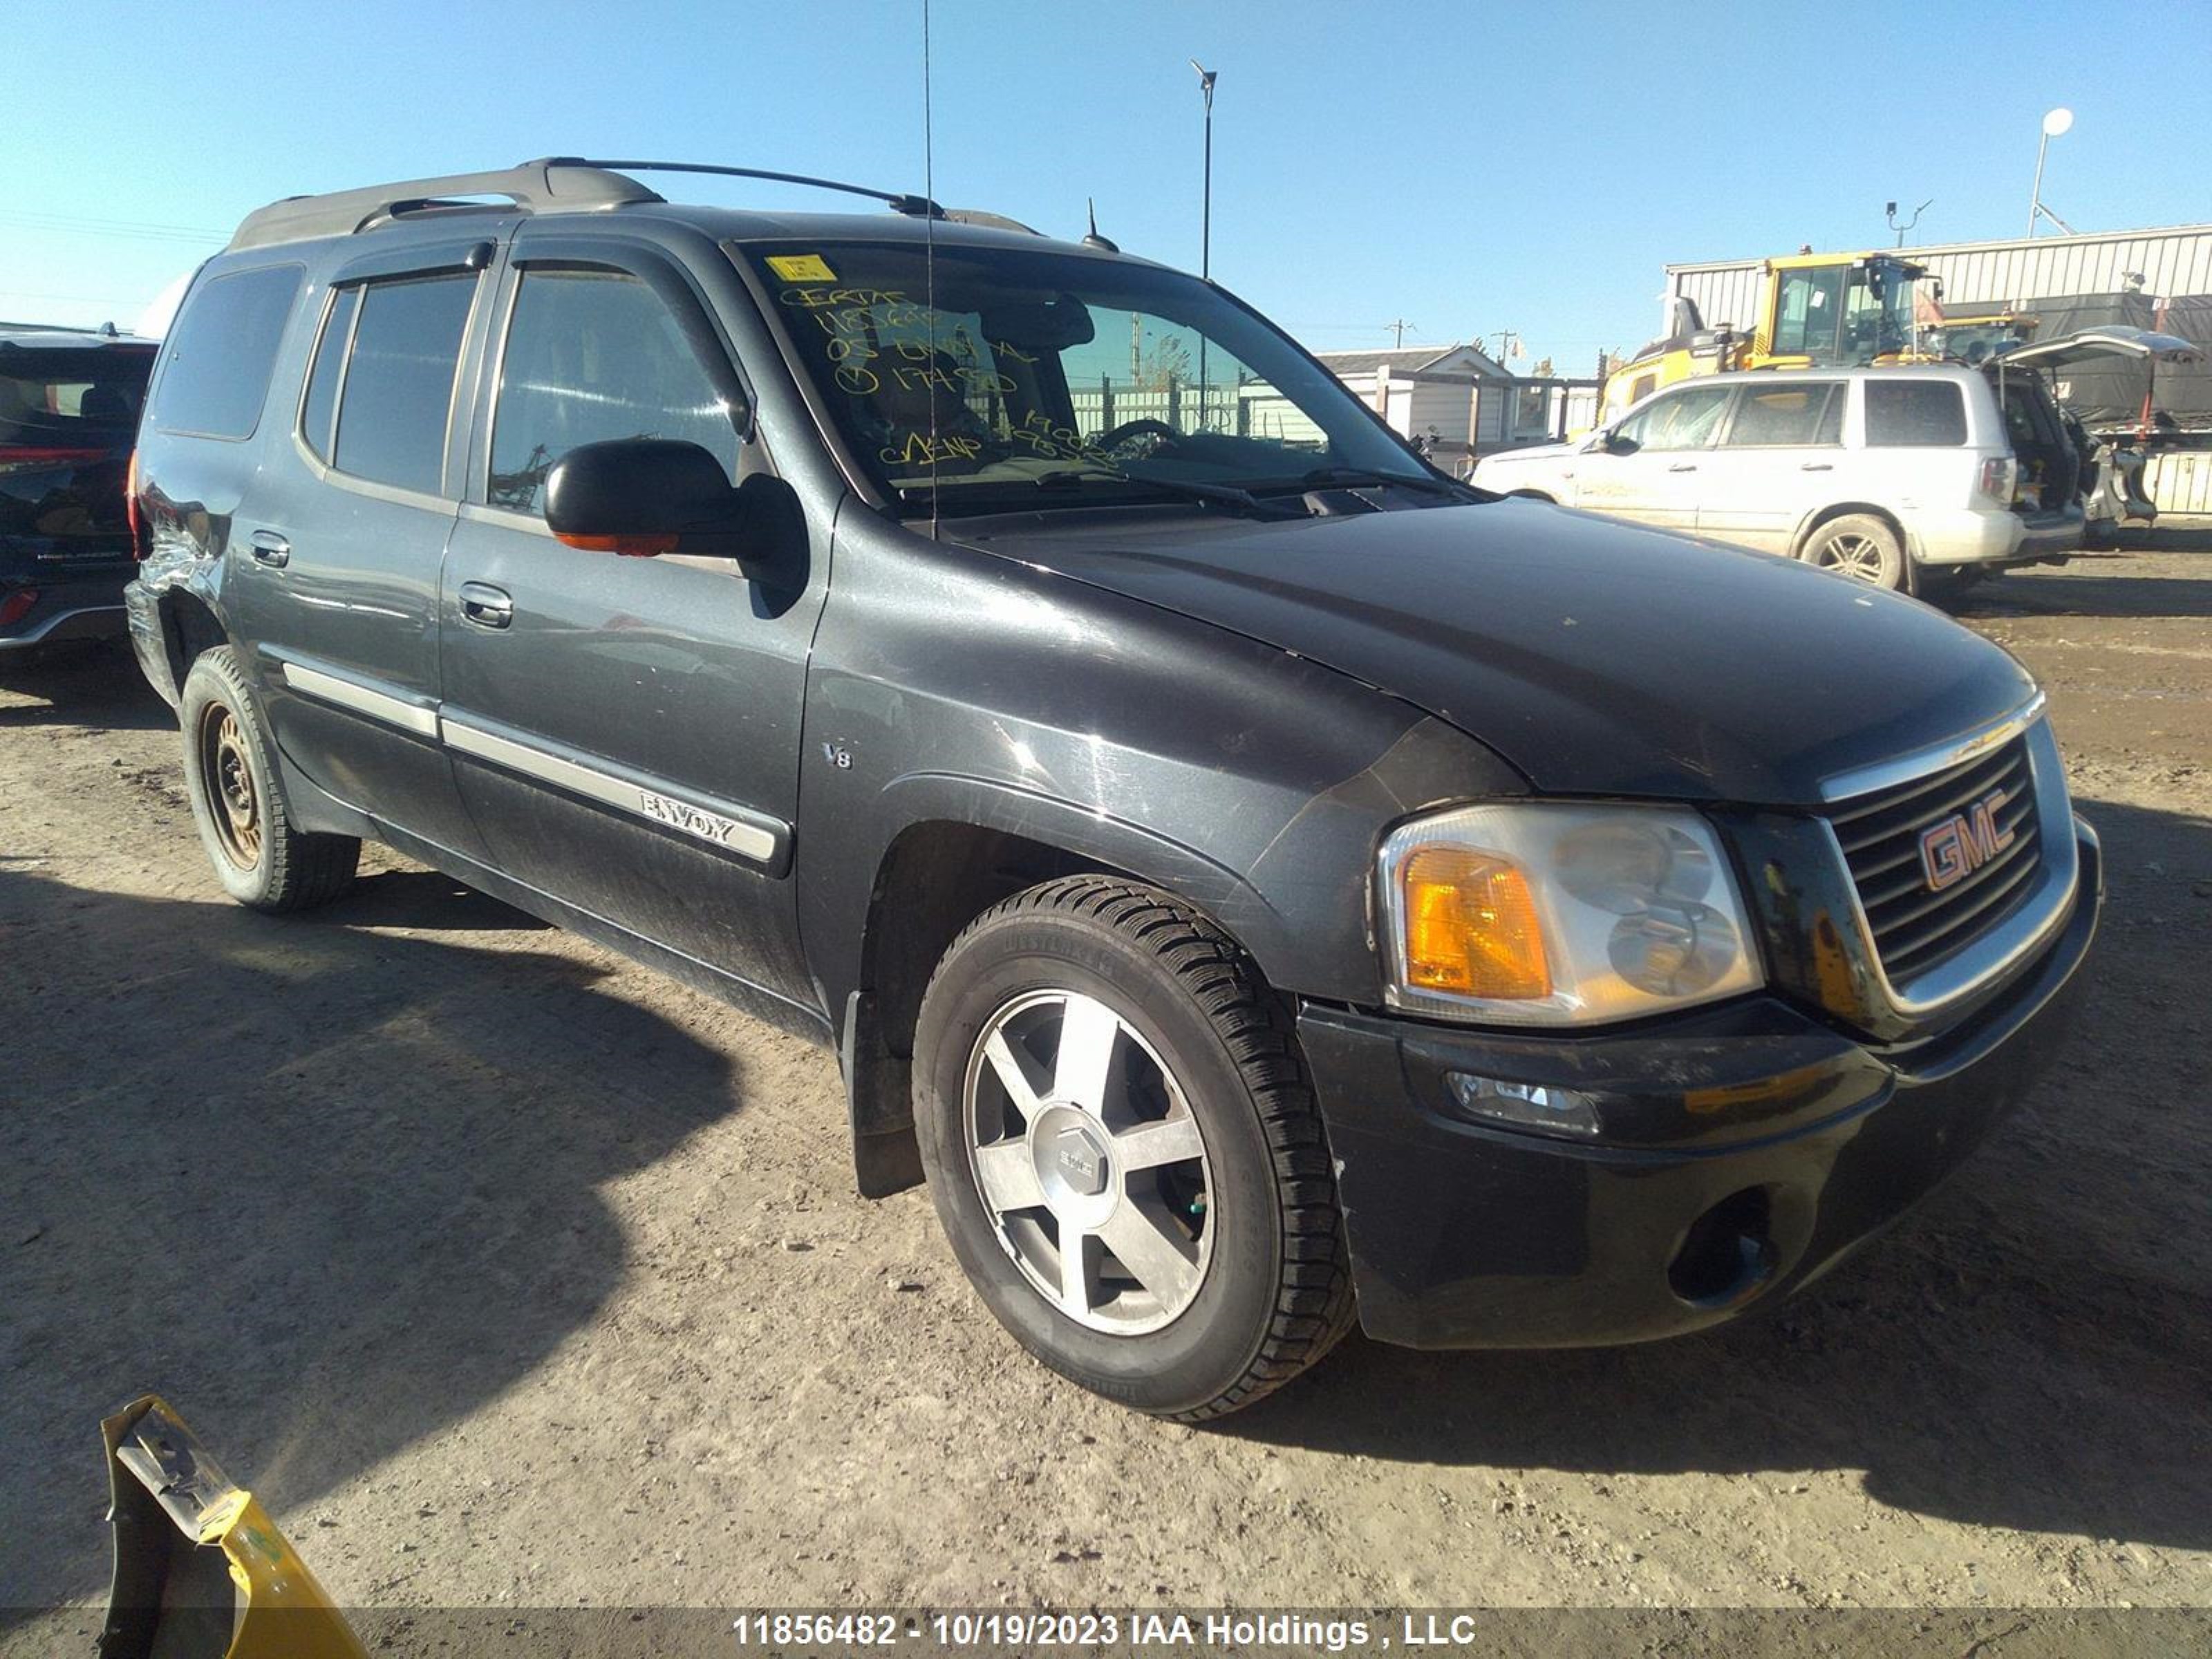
1125 1151
1860 546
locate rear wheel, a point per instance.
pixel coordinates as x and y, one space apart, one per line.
1125 1151
1860 546
238 801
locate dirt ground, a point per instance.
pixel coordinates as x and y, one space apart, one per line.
509 1275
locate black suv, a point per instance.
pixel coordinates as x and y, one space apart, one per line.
69 409
1255 880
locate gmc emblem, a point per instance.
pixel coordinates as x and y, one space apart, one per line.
1962 843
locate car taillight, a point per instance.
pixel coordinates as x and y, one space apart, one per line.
1999 473
17 605
130 506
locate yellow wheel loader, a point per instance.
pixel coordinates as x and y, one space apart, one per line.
1816 311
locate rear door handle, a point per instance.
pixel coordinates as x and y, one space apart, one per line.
485 605
1683 466
272 549
1816 466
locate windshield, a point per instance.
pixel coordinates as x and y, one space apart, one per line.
1051 377
1878 315
1836 315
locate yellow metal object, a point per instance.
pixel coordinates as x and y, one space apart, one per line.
178 1519
1816 310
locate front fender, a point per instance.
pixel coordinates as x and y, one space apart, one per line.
960 686
1094 836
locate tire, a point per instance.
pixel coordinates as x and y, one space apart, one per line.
238 798
1200 1071
1861 546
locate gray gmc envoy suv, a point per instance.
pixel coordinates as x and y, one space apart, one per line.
1257 882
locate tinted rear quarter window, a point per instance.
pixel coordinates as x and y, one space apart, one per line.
221 352
1914 414
398 390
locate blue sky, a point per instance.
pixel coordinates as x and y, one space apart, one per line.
1468 168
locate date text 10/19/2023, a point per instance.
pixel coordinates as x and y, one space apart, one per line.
1255 1632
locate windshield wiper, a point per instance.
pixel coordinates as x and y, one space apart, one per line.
1353 477
1228 495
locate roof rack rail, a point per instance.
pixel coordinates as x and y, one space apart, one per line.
552 183
918 207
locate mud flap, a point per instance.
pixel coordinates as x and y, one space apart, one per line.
880 1098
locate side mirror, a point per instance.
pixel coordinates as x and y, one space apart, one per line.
641 496
1612 443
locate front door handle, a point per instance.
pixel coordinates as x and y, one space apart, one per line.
272 550
1816 466
1683 466
485 605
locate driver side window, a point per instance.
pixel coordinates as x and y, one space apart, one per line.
1682 420
592 355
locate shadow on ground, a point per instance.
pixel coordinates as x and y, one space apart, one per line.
2033 1349
2189 535
328 1190
2094 585
429 901
96 686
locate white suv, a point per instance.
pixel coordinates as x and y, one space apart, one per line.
1879 473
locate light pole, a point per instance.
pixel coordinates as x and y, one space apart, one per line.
1205 221
2055 124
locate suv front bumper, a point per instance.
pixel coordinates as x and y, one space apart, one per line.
1742 1152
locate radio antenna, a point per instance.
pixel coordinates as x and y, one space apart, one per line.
929 263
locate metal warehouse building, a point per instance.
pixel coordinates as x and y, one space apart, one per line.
2170 264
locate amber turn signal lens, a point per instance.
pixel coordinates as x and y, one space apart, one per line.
1471 925
631 547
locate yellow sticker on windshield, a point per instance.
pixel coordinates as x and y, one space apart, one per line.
801 268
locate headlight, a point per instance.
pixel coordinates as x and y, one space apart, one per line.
1533 913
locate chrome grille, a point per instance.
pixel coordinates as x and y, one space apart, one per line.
1916 929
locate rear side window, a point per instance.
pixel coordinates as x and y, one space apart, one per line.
595 354
1914 414
65 400
221 352
396 394
319 415
1795 415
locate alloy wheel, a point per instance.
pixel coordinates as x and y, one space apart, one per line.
1855 555
1090 1161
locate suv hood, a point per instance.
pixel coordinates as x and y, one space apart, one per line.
1597 658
